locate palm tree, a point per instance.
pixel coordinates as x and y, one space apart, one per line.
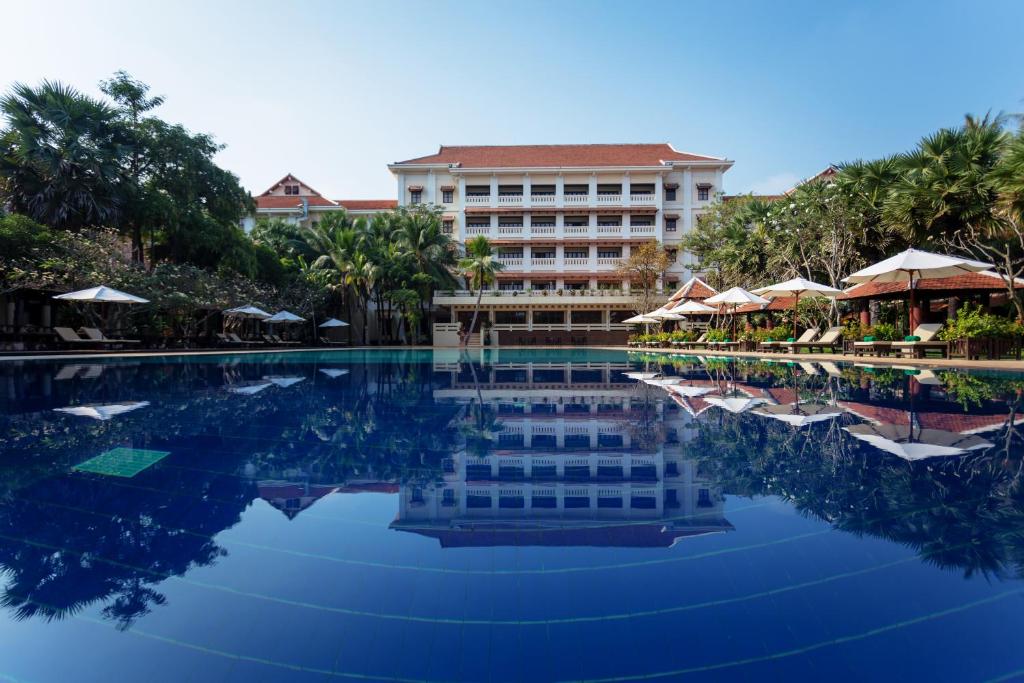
59 156
481 267
432 253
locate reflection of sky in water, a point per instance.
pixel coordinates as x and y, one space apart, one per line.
539 516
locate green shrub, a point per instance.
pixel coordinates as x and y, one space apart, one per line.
683 336
718 335
882 332
972 322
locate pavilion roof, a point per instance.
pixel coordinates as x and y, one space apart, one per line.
987 281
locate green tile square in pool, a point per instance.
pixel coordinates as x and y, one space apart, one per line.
121 462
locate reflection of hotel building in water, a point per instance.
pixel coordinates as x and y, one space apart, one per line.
583 456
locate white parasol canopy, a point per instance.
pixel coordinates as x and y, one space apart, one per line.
912 265
689 391
798 288
800 414
333 322
662 314
641 320
736 296
917 444
642 375
284 317
691 306
246 312
103 412
735 404
102 294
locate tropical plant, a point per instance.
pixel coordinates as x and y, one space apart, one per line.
481 268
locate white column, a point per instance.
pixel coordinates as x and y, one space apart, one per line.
625 189
687 189
401 189
559 225
460 208
592 199
431 187
559 192
659 199
526 190
527 225
494 190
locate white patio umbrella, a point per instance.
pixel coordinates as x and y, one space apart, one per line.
284 317
246 312
800 414
917 444
691 391
102 294
103 412
735 404
643 319
662 314
283 381
333 322
692 306
798 288
913 265
736 296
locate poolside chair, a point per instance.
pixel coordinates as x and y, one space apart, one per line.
701 341
325 340
69 336
233 336
875 347
68 372
831 369
226 340
96 334
805 338
918 349
829 341
278 340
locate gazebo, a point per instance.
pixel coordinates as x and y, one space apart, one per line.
954 290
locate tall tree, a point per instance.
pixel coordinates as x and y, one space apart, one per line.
481 268
644 268
59 156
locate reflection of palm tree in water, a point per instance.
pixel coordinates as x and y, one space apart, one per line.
483 429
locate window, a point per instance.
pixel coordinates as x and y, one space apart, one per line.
291 189
447 196
587 317
415 196
609 252
670 194
510 317
670 225
703 192
447 227
549 317
577 253
672 254
538 252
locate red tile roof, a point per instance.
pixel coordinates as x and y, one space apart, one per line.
556 156
694 288
972 281
368 204
951 422
288 178
291 201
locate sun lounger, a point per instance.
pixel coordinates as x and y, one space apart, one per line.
69 336
831 369
701 341
805 338
277 340
831 340
927 332
325 340
874 348
97 335
238 340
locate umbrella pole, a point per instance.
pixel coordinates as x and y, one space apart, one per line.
796 300
910 313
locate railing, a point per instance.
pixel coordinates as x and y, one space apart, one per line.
576 229
510 262
543 262
641 229
608 260
559 327
609 229
645 198
539 293
576 262
478 200
472 230
510 230
542 230
542 199
577 199
609 199
510 199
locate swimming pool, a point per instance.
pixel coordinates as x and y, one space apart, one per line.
518 516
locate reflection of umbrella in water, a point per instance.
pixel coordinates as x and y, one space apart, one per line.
250 389
283 382
333 322
104 411
800 414
688 391
662 381
333 373
642 375
917 444
735 404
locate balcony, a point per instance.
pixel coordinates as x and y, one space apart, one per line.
510 230
474 230
609 230
577 199
542 262
542 199
577 262
642 199
542 230
566 296
478 200
576 229
510 200
511 261
609 199
641 230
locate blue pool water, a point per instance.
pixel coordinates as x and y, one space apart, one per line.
521 516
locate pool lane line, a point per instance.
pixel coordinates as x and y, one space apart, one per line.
559 621
783 654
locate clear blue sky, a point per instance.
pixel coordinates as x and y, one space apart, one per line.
333 91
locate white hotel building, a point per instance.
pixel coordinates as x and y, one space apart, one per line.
561 217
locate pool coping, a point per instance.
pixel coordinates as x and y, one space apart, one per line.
834 357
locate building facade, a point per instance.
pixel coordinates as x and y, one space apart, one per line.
561 218
296 202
